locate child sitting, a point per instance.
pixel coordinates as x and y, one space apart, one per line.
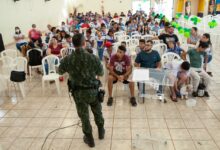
176 49
181 85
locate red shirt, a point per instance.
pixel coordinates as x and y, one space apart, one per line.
119 66
85 25
56 50
34 34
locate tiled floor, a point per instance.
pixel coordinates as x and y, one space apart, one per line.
25 123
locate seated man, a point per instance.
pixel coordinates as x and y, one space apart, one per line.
120 69
149 58
108 52
128 52
141 46
196 61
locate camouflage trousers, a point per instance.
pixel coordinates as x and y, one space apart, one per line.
83 99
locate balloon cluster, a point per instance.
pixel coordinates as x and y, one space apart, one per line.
213 24
185 31
195 20
186 17
178 15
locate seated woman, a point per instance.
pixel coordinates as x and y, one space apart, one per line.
19 38
194 37
176 49
110 36
54 47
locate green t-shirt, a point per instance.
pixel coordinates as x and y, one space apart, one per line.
196 58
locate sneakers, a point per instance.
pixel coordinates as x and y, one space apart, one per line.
101 132
206 94
133 101
89 140
194 94
110 101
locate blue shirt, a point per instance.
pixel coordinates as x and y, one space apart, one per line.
176 50
148 60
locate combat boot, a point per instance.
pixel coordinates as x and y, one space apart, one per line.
101 132
89 140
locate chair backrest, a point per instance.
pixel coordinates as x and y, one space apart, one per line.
49 64
35 56
6 65
156 42
10 52
147 37
169 57
161 48
136 36
20 64
66 51
134 42
134 33
119 33
153 33
123 38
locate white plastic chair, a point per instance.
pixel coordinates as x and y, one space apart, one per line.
135 33
147 37
161 48
136 36
10 52
153 33
50 73
5 71
123 38
66 51
134 42
156 42
20 65
168 58
28 56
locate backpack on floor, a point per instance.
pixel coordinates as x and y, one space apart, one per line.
201 89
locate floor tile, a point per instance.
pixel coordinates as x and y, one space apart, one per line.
175 123
122 123
206 145
38 143
157 123
121 133
180 134
162 134
184 145
21 144
58 144
121 144
199 134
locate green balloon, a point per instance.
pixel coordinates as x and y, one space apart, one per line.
187 34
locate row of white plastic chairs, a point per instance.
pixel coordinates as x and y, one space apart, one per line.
12 61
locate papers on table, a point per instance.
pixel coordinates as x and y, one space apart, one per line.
140 75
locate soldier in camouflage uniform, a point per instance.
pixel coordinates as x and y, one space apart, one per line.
83 68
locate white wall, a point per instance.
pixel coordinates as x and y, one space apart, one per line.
109 5
26 12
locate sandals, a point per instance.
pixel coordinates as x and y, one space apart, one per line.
173 99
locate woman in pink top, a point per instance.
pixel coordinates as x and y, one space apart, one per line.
54 47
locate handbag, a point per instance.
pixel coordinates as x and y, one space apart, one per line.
17 76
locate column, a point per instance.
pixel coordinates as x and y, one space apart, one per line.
201 8
179 6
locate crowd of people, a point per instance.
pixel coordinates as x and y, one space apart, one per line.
100 40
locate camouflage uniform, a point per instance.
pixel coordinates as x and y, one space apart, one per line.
83 68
